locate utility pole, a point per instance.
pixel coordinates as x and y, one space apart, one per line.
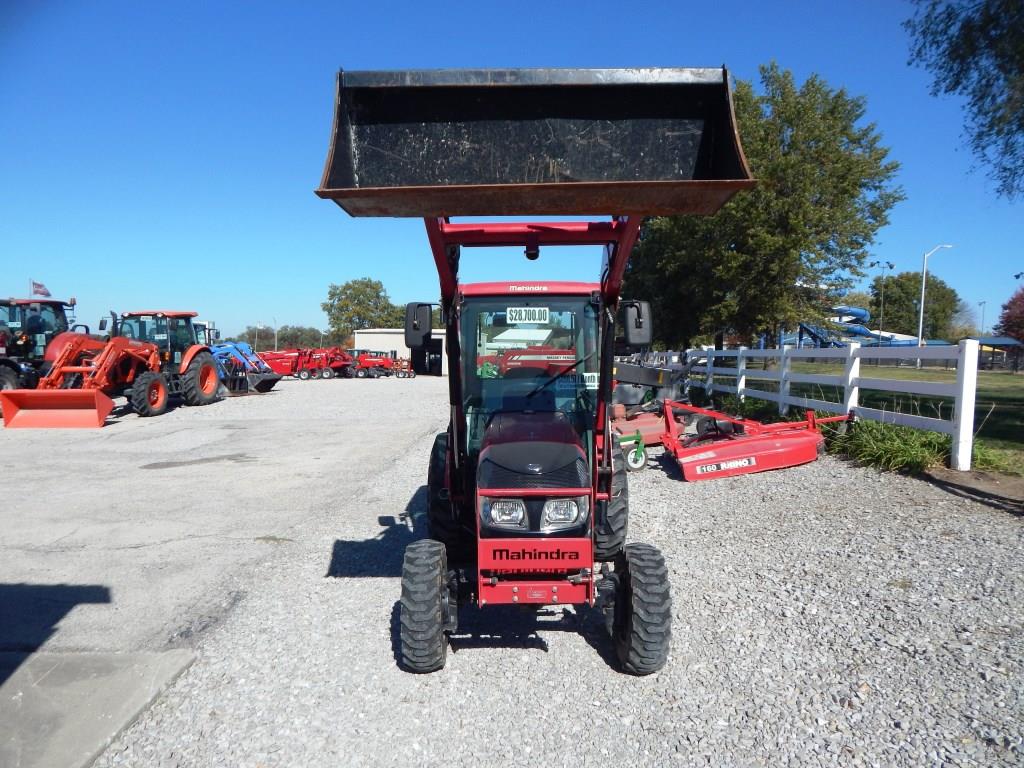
982 305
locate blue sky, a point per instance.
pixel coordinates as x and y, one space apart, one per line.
165 154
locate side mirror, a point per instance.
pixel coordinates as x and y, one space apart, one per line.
637 327
84 328
417 325
103 324
216 334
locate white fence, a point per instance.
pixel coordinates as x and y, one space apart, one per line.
850 382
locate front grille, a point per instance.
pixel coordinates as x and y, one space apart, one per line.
572 475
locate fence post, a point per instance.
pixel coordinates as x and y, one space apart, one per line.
784 362
709 382
851 390
963 418
741 374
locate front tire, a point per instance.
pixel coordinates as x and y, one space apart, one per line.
424 607
200 380
642 626
150 394
8 378
360 373
327 373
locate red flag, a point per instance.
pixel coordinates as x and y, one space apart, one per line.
38 289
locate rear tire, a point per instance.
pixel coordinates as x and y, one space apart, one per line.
610 533
423 613
200 381
327 373
150 394
303 374
642 627
441 521
360 373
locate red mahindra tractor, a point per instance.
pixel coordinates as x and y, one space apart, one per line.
151 356
528 498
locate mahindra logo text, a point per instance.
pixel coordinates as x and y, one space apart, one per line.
534 554
527 287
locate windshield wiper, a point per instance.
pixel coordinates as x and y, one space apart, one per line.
560 374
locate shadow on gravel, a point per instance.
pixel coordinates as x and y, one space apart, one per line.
972 492
664 464
517 627
382 555
30 613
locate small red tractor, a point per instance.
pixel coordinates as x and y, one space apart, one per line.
371 364
151 356
528 501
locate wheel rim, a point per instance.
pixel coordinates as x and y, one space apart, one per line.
208 379
156 393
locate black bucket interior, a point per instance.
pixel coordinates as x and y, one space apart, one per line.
424 143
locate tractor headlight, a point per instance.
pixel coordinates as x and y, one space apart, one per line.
564 513
504 513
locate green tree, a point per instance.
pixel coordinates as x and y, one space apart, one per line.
902 300
975 49
964 323
783 251
1011 319
359 304
861 299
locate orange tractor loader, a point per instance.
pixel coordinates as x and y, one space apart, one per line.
150 357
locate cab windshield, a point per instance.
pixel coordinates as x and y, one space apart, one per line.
43 318
536 353
174 333
144 328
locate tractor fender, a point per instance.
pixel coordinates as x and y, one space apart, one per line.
57 344
190 353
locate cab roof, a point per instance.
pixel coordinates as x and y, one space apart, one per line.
164 312
539 288
21 302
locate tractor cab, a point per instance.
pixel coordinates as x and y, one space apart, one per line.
530 353
27 326
173 333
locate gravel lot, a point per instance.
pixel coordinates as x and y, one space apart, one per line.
824 615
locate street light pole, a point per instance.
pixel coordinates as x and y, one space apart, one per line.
275 332
982 305
920 317
881 312
321 339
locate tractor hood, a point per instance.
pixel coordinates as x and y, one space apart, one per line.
532 450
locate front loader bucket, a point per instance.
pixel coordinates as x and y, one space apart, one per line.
262 382
432 143
55 408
